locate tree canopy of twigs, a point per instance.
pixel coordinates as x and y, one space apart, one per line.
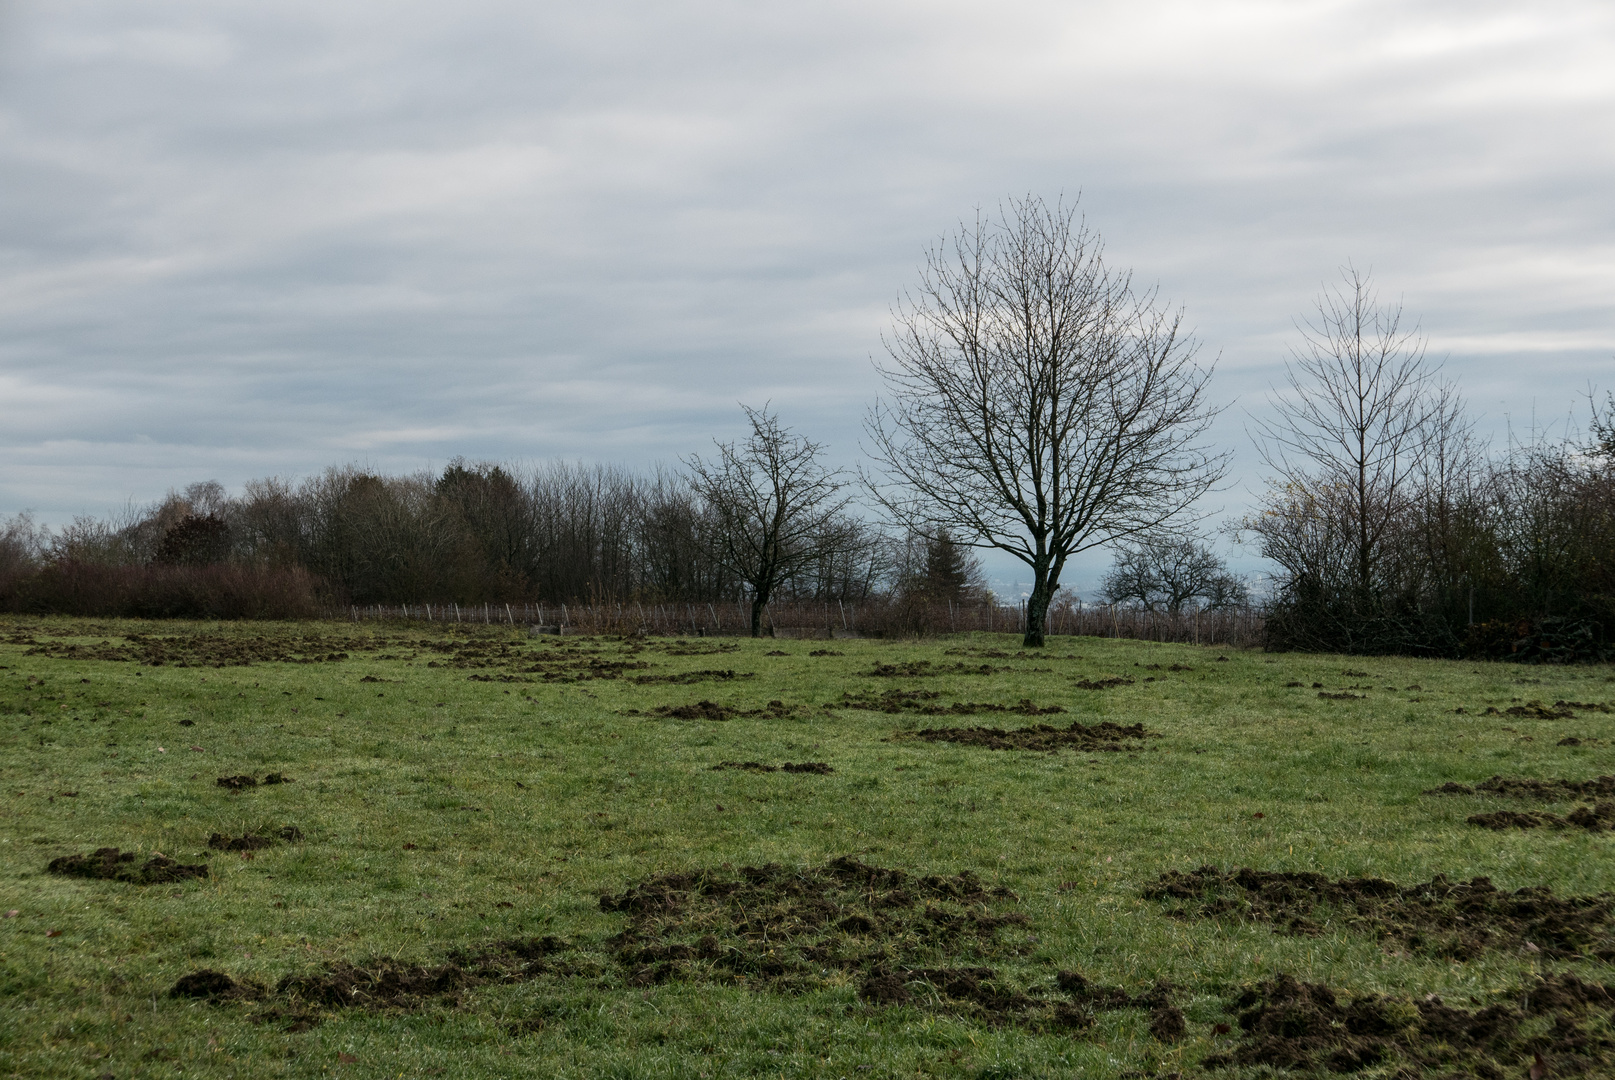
773 507
1354 427
1037 402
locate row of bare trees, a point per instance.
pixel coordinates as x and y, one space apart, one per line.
1038 403
1396 529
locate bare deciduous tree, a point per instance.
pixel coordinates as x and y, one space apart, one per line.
1166 572
1357 421
1039 404
771 506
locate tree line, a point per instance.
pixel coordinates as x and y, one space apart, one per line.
1039 403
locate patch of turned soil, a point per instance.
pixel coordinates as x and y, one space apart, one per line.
924 702
110 864
1536 710
1555 1026
1000 654
711 710
684 678
1102 684
1455 919
1527 788
1598 817
682 647
382 983
207 650
243 781
1104 736
920 668
825 652
290 834
816 767
921 940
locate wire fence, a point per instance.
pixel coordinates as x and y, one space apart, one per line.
1235 627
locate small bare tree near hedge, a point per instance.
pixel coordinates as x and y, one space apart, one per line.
1038 403
773 509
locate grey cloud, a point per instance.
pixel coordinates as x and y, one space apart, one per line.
240 241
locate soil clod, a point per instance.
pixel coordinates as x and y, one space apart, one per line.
1599 817
110 864
711 710
1102 684
818 767
924 703
213 985
1104 736
1557 1026
921 940
1526 788
1455 919
253 841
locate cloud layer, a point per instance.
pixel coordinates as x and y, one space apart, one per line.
242 240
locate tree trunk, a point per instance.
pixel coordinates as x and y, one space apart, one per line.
758 603
1037 610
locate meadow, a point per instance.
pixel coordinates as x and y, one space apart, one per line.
482 853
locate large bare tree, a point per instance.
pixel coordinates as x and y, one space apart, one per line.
1354 429
773 510
1037 402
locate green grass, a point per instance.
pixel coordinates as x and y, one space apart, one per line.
542 796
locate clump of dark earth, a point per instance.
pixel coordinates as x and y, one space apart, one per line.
498 678
924 703
918 668
211 985
818 767
776 652
113 865
1344 695
1454 919
240 783
1166 1020
1102 684
1599 817
384 982
921 940
1526 788
686 677
290 834
1556 1026
208 649
1535 710
711 710
1104 736
1000 654
825 652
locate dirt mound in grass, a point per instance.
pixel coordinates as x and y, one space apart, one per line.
923 940
110 864
685 678
210 985
1102 684
243 781
1556 1026
209 649
290 834
918 668
1599 817
1104 736
1526 788
1455 919
711 710
816 767
383 982
825 652
924 703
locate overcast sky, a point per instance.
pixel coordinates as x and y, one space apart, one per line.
253 239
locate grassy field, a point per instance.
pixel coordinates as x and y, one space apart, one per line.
460 791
